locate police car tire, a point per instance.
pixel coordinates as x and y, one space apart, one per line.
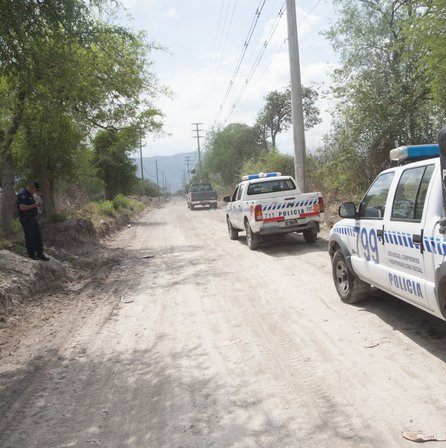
348 286
233 234
310 236
251 239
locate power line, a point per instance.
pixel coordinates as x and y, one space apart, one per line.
262 52
242 56
257 61
218 55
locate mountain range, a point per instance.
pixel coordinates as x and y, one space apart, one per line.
169 172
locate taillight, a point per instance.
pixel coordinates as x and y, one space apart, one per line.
258 215
321 204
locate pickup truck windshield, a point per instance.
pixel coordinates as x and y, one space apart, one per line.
270 186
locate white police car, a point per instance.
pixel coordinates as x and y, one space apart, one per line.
395 240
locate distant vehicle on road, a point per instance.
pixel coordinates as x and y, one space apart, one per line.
201 194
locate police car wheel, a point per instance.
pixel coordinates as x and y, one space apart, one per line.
310 235
347 284
251 239
233 234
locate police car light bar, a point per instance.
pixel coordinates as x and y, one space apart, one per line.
413 152
260 175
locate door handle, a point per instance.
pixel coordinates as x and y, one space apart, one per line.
380 234
418 239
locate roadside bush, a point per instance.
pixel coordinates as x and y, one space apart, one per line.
106 208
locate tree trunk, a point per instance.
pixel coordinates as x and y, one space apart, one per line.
7 168
46 190
49 206
7 205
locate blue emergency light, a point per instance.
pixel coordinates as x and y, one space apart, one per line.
414 152
261 175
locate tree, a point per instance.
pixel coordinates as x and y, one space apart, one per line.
426 31
60 59
227 150
276 115
24 26
383 99
112 158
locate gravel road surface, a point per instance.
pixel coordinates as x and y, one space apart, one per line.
193 340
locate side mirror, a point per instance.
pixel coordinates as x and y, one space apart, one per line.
347 210
227 199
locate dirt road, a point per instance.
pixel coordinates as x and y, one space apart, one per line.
193 340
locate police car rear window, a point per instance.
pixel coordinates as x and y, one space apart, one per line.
270 186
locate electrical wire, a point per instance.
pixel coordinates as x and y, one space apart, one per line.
242 56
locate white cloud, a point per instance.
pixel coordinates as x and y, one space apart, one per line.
171 13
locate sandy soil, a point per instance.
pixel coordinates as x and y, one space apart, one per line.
193 340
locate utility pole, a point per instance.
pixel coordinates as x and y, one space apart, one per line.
157 179
142 170
188 168
197 131
296 98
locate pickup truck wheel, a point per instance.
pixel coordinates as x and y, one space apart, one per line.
192 207
349 287
251 239
233 233
310 235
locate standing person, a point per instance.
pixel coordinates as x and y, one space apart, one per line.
28 209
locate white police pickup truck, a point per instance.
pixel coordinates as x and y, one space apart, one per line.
396 239
269 203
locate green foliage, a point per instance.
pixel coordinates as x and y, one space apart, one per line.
147 188
226 151
276 116
112 159
107 208
383 98
426 32
271 161
65 71
122 202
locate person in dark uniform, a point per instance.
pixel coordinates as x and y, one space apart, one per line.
28 209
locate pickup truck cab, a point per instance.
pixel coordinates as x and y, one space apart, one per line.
395 240
269 203
202 194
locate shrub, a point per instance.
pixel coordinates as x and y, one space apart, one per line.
106 208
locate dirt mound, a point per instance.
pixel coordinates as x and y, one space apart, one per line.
75 251
22 277
65 234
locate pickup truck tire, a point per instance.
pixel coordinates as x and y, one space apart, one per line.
251 238
349 287
233 233
192 207
310 235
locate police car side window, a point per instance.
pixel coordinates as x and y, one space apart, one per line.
373 204
410 194
239 194
234 195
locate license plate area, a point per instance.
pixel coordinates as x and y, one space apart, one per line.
289 222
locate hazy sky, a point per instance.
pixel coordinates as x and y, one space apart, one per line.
217 58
